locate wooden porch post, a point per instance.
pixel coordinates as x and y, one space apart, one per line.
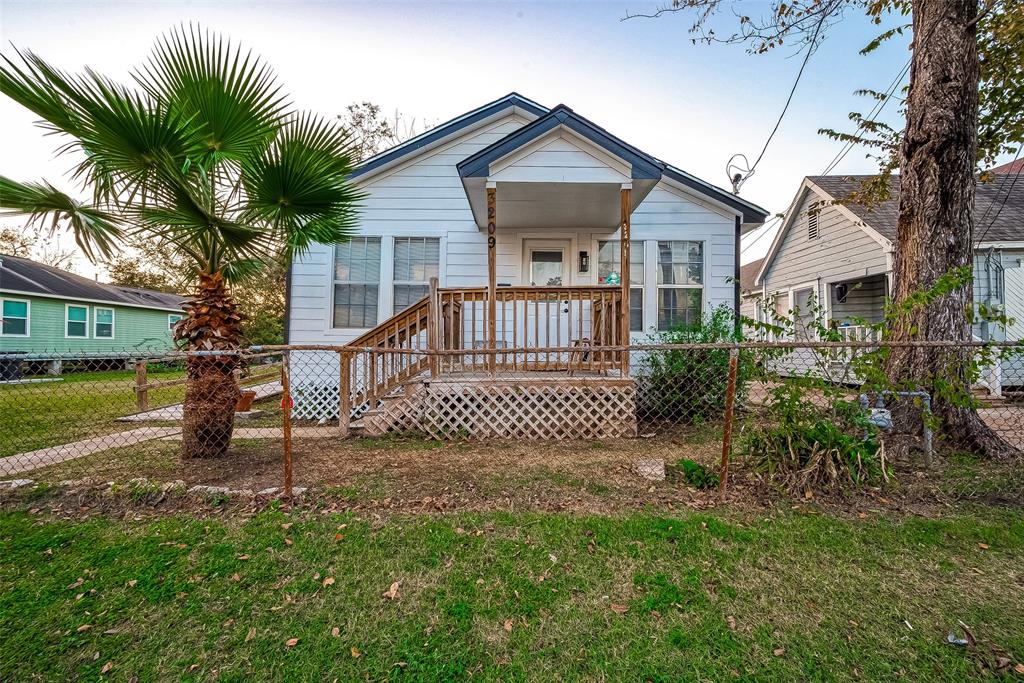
625 205
492 309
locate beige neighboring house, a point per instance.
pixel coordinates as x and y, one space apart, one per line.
842 254
750 294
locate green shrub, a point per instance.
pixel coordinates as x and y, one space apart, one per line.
696 475
813 443
689 385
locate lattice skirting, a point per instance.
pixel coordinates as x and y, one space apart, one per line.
537 410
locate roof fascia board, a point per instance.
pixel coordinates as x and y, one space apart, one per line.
436 135
1000 244
642 166
106 302
583 144
752 213
781 232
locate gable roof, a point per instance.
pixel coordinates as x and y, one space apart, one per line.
24 276
1015 166
643 166
998 210
998 206
748 275
447 128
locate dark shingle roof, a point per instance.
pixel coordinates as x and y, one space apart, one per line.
23 275
998 206
748 273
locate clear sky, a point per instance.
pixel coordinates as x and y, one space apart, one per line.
691 105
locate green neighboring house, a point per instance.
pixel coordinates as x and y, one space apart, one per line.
46 310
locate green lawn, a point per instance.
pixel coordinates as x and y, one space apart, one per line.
510 597
77 406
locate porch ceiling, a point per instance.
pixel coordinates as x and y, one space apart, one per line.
553 204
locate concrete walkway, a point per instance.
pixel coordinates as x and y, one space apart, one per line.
44 457
174 412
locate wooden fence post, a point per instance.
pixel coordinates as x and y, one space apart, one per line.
345 393
730 399
286 410
141 392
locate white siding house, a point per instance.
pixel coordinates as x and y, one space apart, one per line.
557 179
841 254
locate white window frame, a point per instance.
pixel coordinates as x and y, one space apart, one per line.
659 286
28 316
813 285
383 278
394 243
170 324
96 321
67 309
641 246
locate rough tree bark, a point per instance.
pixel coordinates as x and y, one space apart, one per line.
212 324
935 227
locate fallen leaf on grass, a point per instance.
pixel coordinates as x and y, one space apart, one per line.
391 593
983 546
76 584
1019 668
107 667
243 557
287 525
132 583
779 651
338 537
355 652
291 642
287 541
335 631
329 581
84 627
619 609
251 634
732 622
508 625
236 577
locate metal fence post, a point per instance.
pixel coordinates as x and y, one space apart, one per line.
730 399
286 411
141 392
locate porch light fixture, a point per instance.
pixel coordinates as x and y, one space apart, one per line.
584 262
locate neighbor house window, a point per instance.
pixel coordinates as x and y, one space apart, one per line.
103 325
417 260
680 283
15 318
76 320
609 260
172 320
356 282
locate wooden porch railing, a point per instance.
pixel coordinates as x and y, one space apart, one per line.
544 325
531 320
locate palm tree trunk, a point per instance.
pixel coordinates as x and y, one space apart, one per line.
212 390
935 225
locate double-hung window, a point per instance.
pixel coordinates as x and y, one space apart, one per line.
680 283
14 314
103 323
417 260
356 282
76 321
609 260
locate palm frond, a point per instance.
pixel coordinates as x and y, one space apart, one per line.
96 232
299 186
233 97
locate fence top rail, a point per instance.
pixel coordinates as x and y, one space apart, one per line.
582 347
519 289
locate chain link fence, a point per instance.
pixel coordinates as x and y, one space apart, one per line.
558 424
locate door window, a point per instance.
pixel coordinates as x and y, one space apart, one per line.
546 267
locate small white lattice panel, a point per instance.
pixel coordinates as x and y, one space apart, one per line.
537 410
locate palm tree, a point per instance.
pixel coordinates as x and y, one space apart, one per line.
203 154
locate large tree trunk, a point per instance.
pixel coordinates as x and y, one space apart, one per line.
935 227
212 391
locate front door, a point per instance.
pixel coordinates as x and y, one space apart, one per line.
546 263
